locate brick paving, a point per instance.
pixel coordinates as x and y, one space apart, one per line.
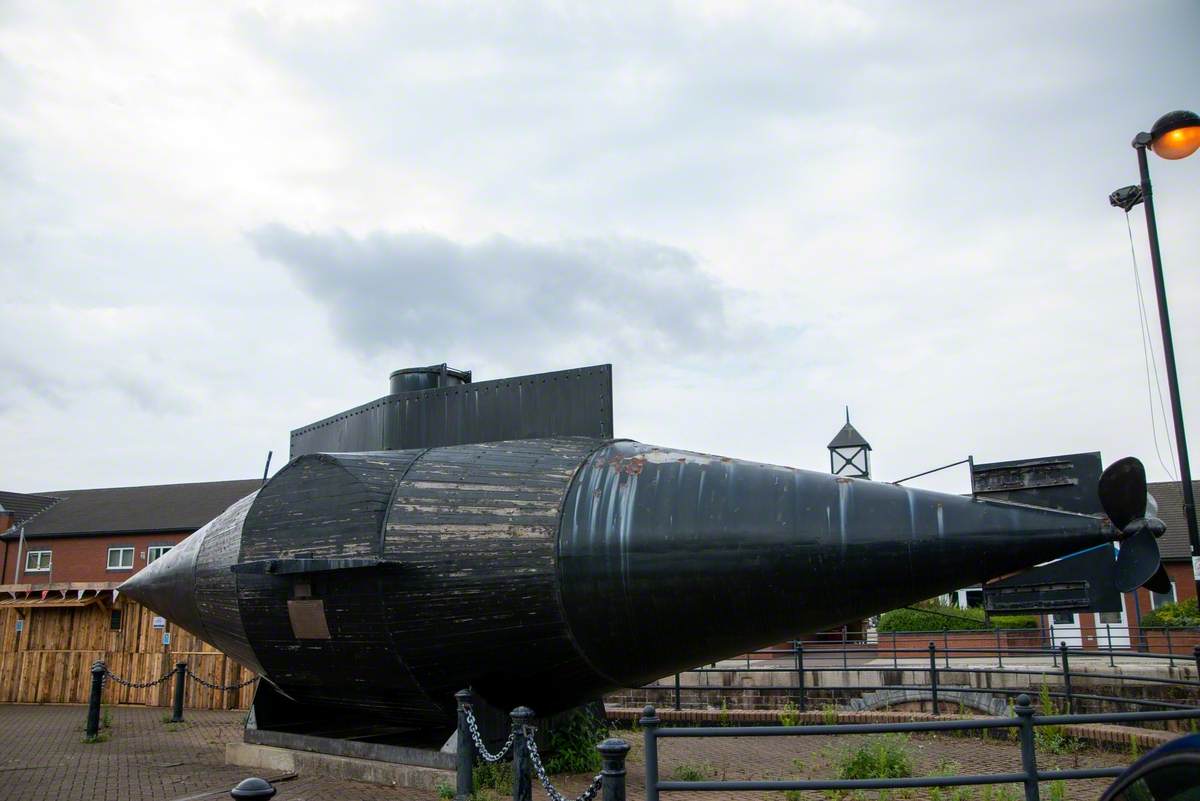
43 758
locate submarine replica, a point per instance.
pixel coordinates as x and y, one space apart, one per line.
496 535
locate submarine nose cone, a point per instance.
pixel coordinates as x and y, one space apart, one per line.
167 585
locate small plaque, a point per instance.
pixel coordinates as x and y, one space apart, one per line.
20 625
308 619
166 638
159 622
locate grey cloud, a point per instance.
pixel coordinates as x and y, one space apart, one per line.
502 295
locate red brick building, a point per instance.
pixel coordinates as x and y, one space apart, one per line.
102 536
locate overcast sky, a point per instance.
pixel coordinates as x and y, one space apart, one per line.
221 224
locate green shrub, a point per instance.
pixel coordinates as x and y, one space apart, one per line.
492 776
571 744
1058 790
1053 739
829 715
939 617
789 715
1173 615
692 772
880 757
445 791
724 718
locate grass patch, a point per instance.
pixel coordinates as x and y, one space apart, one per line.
693 772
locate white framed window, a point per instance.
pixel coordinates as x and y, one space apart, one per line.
1064 619
37 562
156 551
120 558
1111 618
1157 599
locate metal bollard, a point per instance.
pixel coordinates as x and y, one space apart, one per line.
1066 667
522 777
933 671
650 724
800 672
252 789
465 749
678 705
1024 710
93 716
177 704
612 756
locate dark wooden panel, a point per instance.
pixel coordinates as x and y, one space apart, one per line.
215 586
476 528
327 506
564 403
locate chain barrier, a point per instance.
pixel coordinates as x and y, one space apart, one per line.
223 687
587 795
480 748
136 685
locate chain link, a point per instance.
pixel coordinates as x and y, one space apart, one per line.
587 795
224 687
135 685
480 748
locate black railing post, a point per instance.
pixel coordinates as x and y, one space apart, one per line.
650 724
177 702
946 646
895 653
800 671
1170 651
678 704
464 750
93 715
1050 645
1108 632
1024 710
1066 670
845 663
933 676
522 789
999 651
1196 656
612 759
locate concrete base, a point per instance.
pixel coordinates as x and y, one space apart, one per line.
253 755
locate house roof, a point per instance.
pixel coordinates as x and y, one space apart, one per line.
24 505
1169 494
158 508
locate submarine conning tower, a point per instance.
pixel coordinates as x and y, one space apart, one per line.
546 570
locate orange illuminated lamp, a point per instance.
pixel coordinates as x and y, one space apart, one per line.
1176 135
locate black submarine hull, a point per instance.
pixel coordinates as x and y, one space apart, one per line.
546 572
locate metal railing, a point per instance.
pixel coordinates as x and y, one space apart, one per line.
527 762
1025 721
1060 660
101 675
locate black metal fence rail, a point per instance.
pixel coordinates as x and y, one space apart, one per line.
1060 662
1025 721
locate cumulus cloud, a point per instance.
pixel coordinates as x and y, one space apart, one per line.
503 296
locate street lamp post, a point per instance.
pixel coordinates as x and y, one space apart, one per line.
1174 136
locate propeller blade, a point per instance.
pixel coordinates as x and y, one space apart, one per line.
1123 492
1160 582
1138 560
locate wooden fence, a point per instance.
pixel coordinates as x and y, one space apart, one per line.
50 660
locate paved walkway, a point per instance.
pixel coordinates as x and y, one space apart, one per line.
43 758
